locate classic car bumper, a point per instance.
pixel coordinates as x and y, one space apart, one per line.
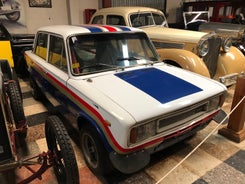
140 159
228 80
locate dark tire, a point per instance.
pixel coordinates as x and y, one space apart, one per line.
35 90
17 108
58 141
94 153
15 78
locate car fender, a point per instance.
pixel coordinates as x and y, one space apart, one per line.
230 62
185 59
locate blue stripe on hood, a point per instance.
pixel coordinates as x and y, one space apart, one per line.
162 86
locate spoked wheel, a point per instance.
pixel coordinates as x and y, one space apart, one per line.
16 104
95 154
58 141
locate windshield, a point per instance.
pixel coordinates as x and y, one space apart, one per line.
102 52
146 19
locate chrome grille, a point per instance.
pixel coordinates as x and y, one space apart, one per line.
211 59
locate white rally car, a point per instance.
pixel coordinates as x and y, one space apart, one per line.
125 102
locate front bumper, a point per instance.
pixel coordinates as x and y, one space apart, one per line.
228 80
136 161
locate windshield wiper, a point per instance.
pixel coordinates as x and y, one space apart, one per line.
128 58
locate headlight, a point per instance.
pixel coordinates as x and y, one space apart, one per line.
203 48
227 43
213 104
216 102
142 132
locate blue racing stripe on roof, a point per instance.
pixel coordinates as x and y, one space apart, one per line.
124 28
93 29
162 86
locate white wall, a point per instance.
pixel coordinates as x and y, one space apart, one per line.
77 8
62 12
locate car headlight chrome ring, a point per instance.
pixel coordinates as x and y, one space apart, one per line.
227 43
203 48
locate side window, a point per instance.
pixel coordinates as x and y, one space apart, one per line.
115 20
41 45
98 19
57 55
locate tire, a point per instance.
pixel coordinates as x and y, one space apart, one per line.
58 141
35 90
15 78
16 105
94 153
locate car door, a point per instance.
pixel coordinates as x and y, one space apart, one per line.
54 67
57 70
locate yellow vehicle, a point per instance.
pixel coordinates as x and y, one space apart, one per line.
207 54
12 47
6 52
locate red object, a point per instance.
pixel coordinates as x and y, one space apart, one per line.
88 14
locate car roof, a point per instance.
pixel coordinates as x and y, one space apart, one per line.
128 10
67 30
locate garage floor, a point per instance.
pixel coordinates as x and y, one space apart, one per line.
218 160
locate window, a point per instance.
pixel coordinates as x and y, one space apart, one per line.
57 56
98 20
41 45
115 20
101 52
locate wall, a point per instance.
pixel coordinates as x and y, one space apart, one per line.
36 17
62 12
173 10
77 8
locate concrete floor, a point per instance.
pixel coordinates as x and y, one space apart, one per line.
217 161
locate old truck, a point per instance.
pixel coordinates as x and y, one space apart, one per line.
204 53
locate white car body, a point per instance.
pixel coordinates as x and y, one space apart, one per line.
115 101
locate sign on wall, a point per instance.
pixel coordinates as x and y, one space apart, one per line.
40 3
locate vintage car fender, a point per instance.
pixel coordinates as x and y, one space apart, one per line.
230 62
185 59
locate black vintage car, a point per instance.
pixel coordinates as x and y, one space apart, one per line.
19 43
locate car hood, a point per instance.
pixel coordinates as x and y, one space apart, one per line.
150 91
227 29
170 34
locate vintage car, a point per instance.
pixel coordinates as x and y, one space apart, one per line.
10 81
198 52
13 131
114 89
200 21
17 43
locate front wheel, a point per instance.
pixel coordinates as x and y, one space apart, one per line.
58 141
95 154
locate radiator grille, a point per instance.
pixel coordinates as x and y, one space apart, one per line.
211 59
181 119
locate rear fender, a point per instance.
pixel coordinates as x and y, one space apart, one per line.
184 59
